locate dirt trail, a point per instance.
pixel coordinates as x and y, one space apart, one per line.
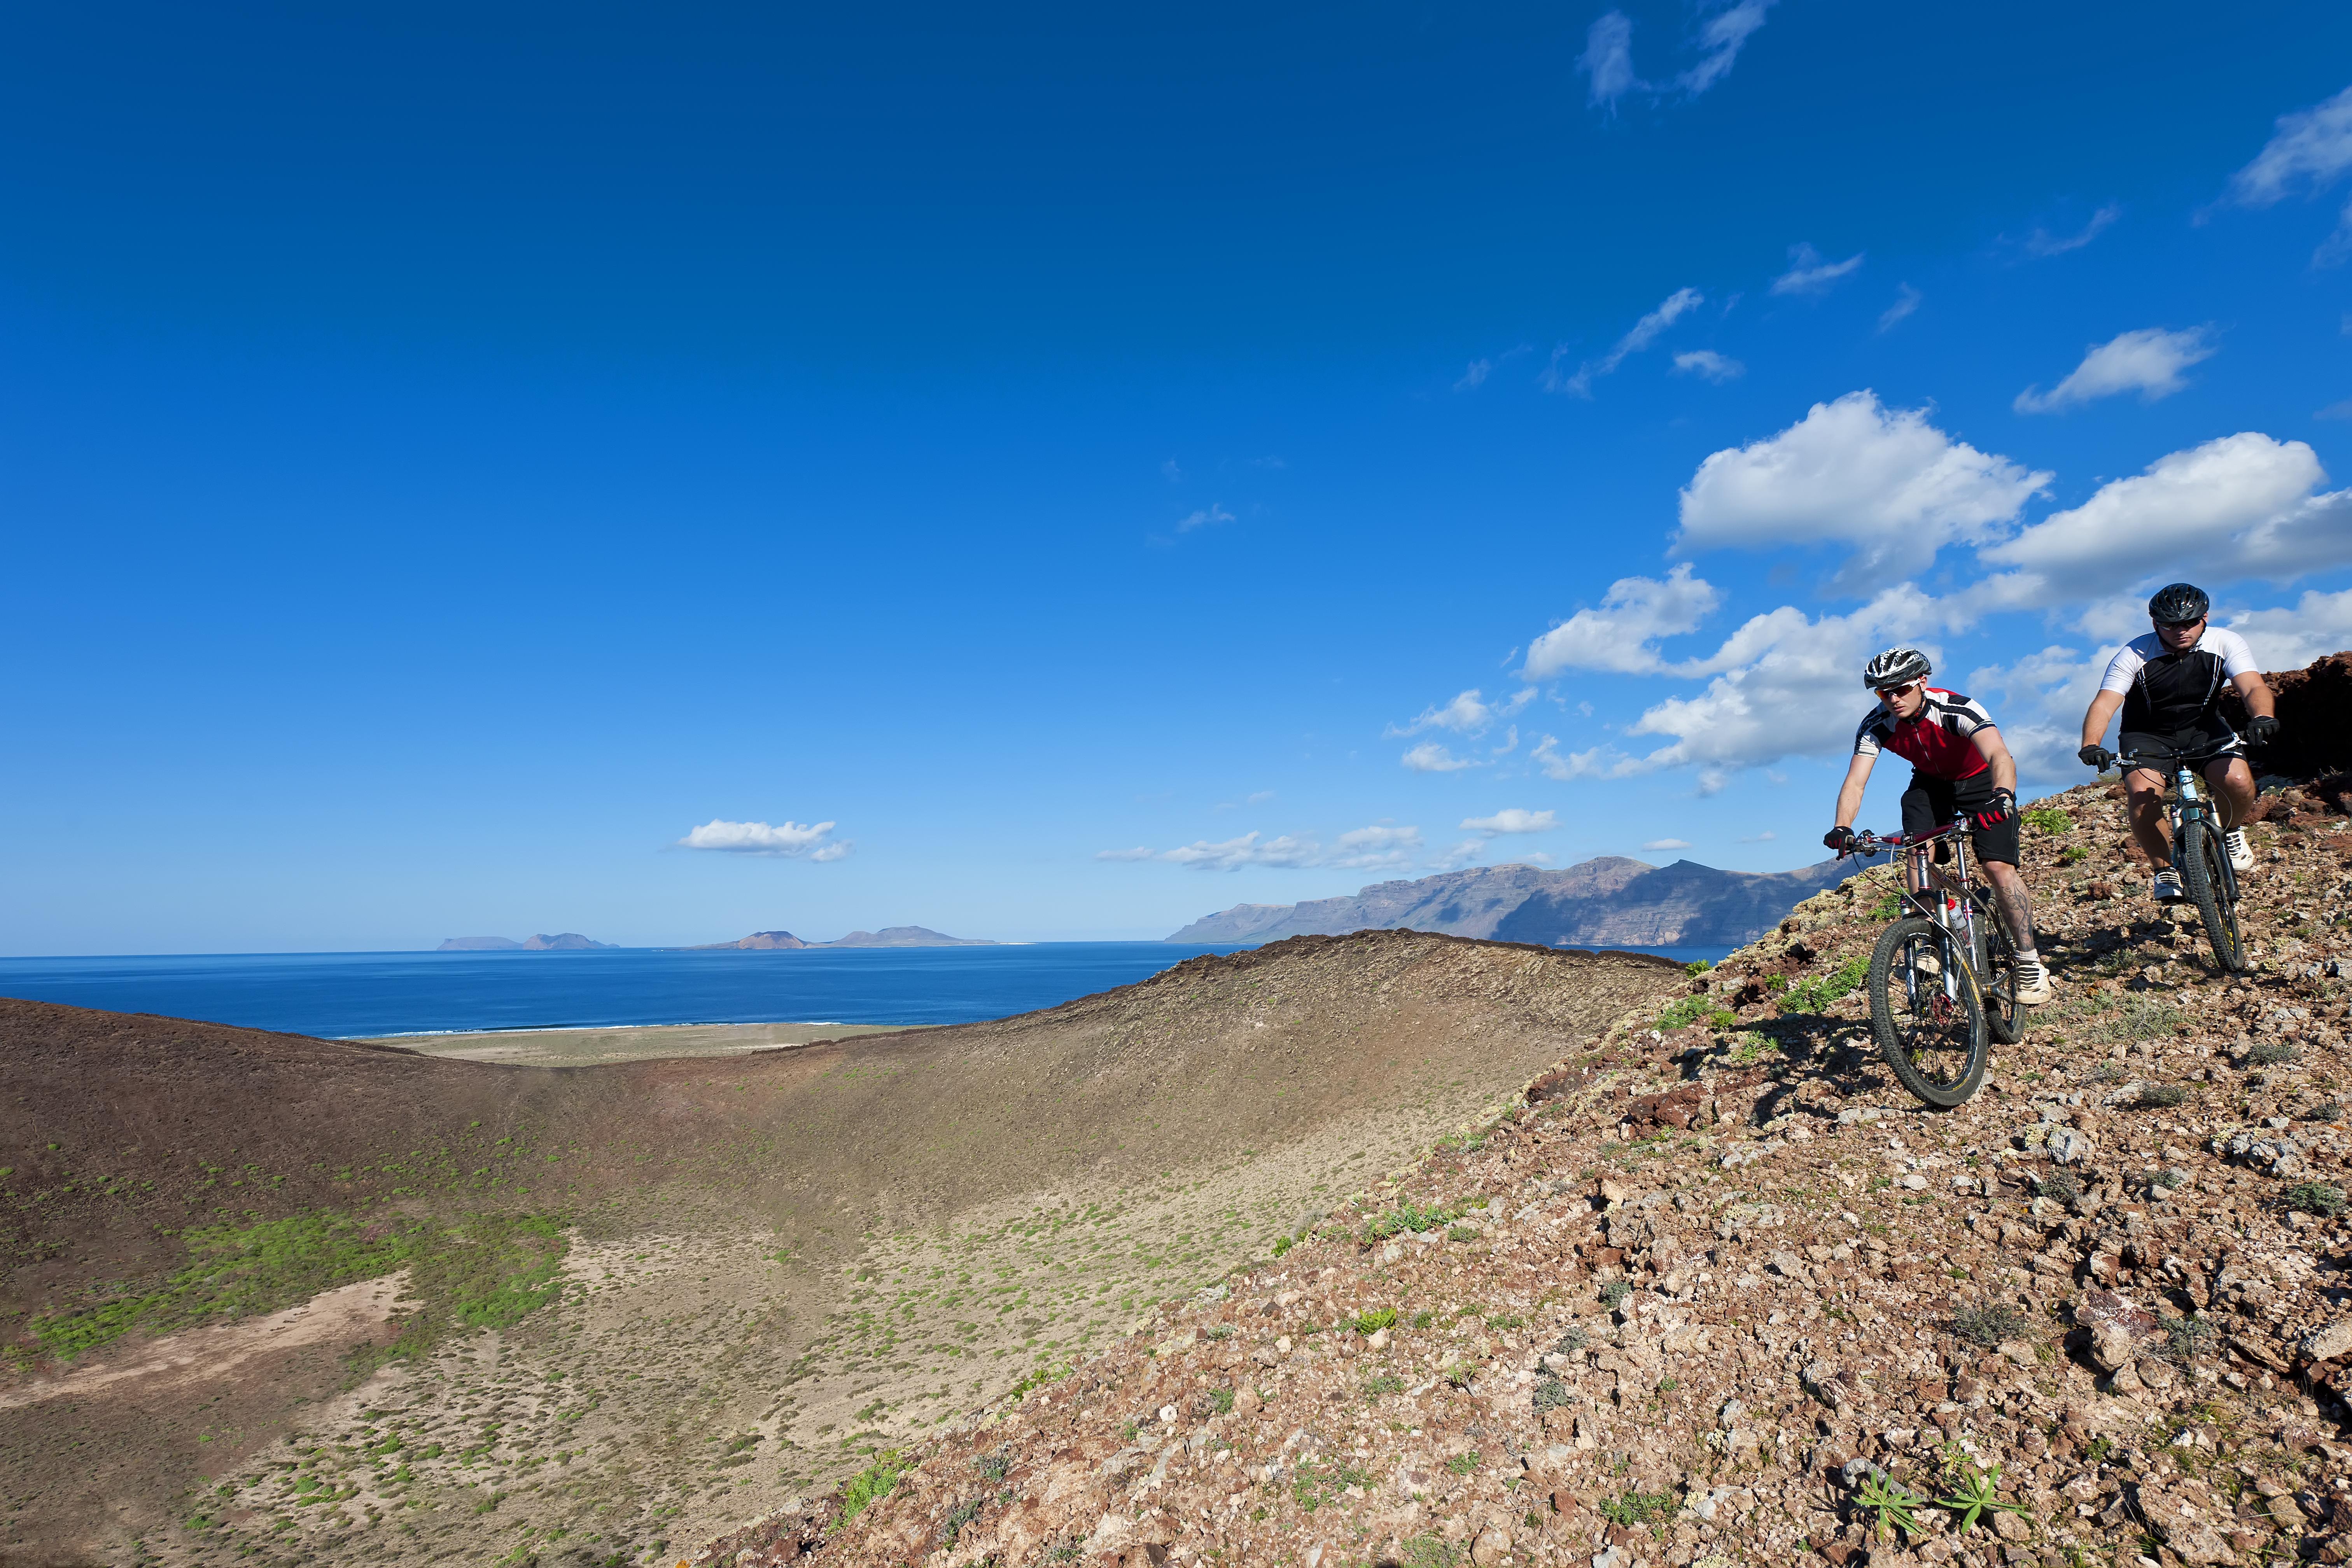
1718 1292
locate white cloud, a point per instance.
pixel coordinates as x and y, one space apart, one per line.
1513 819
1788 686
1907 299
2038 704
1429 757
2149 362
791 841
1259 797
1767 836
1213 512
1643 332
1809 273
2290 638
1667 844
1379 846
1883 481
1170 471
1475 376
1710 364
1621 634
2042 242
2311 148
1608 59
2236 508
1722 37
1461 855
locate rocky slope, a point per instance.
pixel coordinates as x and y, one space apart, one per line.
1713 1291
1596 903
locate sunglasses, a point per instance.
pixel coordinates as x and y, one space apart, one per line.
1904 689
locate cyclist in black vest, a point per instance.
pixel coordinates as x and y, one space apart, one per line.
2168 684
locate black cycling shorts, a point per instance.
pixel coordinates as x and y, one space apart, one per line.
1930 802
2201 744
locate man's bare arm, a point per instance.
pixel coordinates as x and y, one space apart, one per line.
2101 713
2257 693
1993 749
1857 776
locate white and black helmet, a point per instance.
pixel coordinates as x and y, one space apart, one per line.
1895 666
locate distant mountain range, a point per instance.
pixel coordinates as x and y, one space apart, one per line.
566 942
1610 901
888 936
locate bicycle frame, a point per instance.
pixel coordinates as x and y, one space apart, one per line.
2184 802
1950 899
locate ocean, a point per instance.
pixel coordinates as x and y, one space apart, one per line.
346 996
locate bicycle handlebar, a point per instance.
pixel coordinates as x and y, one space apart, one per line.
1868 844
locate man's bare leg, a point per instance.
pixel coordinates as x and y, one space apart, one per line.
2234 790
2149 826
2015 906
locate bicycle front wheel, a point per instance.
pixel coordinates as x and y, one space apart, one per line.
2203 880
1926 1013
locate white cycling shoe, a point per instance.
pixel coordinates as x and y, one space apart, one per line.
2242 854
2166 887
2033 984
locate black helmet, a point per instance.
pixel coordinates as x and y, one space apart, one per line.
2180 604
1895 666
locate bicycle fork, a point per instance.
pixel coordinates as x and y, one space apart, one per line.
2191 804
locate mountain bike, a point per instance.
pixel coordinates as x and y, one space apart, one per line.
1943 978
2198 855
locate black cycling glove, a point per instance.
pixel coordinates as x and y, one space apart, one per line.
1839 838
2097 757
1998 810
2261 729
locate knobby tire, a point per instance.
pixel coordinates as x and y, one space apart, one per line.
1937 1046
2206 883
1999 966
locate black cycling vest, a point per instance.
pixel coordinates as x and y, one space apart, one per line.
2175 691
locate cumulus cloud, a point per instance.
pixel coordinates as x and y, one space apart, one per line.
2290 638
1466 714
2038 704
1207 516
1883 480
1595 762
1907 299
1643 332
1706 362
2149 362
1607 63
1788 686
1622 633
2042 242
1461 855
2309 150
1431 757
2236 508
1379 846
1513 819
792 840
1667 844
1809 273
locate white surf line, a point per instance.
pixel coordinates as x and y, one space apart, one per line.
200 1354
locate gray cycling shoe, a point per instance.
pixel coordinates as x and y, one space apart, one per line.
2167 888
2242 854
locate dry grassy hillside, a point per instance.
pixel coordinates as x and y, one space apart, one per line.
1717 1292
276 1299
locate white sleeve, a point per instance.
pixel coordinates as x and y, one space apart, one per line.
2237 659
2122 667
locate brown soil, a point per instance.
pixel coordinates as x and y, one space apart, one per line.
1710 1288
779 1261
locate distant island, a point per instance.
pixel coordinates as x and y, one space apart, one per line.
888 936
1611 901
564 942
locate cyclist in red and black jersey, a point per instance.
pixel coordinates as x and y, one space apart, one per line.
1959 764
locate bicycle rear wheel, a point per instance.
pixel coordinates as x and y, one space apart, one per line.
2202 878
1998 965
1936 1041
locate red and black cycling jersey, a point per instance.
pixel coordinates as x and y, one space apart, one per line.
1937 740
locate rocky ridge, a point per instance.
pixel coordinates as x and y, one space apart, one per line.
1713 1290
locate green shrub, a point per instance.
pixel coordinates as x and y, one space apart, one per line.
1684 1012
1637 1508
1462 1464
1551 1393
1815 994
2167 1179
2327 1111
2161 1096
2321 1198
1613 1293
2061 1183
2273 1053
1698 966
2185 1337
2050 820
871 1485
1988 1325
1372 1321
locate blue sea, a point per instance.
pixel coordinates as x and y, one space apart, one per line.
345 996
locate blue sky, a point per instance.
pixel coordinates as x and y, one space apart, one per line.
498 470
